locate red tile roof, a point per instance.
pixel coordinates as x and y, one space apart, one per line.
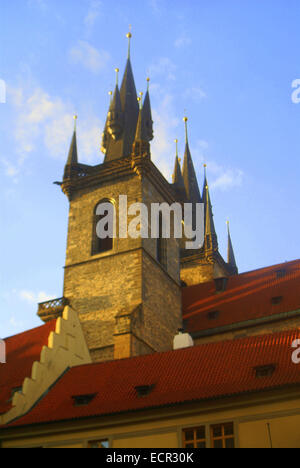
247 297
21 352
202 372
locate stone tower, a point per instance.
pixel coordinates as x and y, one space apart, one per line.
126 291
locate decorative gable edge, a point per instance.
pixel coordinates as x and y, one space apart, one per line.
66 348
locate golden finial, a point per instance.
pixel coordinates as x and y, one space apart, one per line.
140 102
141 94
110 93
117 76
129 36
75 122
185 119
148 83
176 142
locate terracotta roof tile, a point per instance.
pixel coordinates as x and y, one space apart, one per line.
21 352
248 297
202 372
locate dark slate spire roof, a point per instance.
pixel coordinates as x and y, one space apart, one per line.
72 160
73 155
231 257
147 116
177 177
141 145
114 124
189 174
121 146
140 134
211 240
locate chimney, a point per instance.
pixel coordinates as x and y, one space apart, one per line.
182 340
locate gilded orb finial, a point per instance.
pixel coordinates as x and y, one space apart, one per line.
185 119
140 102
148 83
117 75
129 36
110 93
176 143
75 117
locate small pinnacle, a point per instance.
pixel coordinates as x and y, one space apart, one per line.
129 36
185 119
117 77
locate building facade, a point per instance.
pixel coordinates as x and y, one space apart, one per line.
103 370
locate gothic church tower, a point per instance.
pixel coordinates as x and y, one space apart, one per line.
127 290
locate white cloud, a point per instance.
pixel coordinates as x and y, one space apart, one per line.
163 67
163 147
91 58
34 298
47 120
228 179
16 323
93 13
182 41
219 176
196 94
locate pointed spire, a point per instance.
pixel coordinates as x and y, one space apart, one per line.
230 253
140 128
147 114
141 145
205 184
73 156
211 240
177 175
115 115
129 36
72 160
189 174
122 145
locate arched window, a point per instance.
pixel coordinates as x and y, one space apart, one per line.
161 245
103 227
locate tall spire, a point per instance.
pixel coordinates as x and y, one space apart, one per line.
115 123
189 174
72 155
230 253
141 145
122 146
211 240
178 181
129 36
147 114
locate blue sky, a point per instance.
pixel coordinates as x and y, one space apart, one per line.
229 63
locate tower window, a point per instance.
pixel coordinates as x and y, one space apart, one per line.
105 222
161 245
